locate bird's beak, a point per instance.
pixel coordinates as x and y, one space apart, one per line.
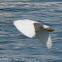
11 21
49 29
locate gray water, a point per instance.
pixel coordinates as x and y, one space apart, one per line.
14 46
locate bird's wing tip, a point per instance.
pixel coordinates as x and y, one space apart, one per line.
49 42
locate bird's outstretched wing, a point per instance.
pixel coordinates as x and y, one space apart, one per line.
26 27
43 35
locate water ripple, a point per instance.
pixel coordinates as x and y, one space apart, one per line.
15 47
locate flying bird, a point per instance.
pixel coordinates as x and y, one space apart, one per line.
34 28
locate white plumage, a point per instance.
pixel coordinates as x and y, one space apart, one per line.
31 28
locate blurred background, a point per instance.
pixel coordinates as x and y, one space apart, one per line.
14 46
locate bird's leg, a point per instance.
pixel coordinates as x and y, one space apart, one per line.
49 29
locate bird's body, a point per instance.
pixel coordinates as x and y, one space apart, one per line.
33 28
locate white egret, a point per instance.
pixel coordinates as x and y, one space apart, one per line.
33 28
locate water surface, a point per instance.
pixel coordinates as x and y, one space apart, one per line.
14 46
